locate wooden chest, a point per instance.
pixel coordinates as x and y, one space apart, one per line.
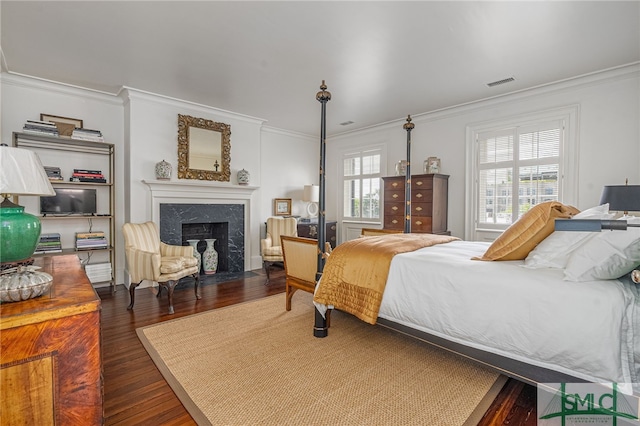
310 230
429 201
50 355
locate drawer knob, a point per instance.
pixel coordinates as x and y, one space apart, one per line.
394 221
395 196
419 183
418 209
394 184
418 222
418 195
394 208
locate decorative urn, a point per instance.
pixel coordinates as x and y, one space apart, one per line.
243 177
163 170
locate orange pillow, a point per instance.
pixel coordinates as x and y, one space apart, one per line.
527 232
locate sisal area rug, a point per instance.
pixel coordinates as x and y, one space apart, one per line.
256 364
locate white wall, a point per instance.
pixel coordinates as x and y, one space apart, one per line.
289 161
143 127
25 98
608 136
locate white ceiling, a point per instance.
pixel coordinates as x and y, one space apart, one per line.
381 60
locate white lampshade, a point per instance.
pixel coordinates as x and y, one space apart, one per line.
311 193
22 173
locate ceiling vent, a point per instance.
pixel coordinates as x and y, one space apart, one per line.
499 82
346 123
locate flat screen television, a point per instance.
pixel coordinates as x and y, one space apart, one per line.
69 201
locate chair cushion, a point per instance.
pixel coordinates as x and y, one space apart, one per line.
172 264
272 251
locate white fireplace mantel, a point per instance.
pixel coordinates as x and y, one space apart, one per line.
196 192
198 188
203 192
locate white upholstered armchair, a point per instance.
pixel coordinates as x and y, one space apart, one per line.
148 258
270 248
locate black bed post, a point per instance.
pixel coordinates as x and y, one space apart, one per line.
320 326
408 126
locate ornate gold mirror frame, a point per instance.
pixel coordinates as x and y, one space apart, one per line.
204 149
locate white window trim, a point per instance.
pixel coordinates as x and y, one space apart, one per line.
340 178
570 156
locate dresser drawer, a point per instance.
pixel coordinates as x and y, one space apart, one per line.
394 183
421 182
393 209
421 209
394 222
421 195
420 224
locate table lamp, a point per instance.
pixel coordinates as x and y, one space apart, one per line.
311 194
21 173
621 198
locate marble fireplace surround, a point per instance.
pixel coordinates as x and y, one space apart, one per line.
203 192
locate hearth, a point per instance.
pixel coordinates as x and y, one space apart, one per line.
224 222
202 231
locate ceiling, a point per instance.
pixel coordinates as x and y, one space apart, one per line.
267 59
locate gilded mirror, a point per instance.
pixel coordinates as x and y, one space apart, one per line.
204 149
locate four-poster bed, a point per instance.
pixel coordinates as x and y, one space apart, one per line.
529 323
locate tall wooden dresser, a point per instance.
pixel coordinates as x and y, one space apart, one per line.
50 354
429 203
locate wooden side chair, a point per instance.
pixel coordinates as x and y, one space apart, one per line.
300 265
366 232
150 259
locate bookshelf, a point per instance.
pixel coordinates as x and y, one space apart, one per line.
68 155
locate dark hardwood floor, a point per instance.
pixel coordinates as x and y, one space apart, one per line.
135 393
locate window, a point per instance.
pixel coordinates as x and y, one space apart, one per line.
518 165
361 185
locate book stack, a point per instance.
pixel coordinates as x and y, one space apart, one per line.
49 243
87 135
53 173
91 240
84 175
98 272
47 128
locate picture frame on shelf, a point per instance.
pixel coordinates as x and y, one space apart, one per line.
65 125
282 206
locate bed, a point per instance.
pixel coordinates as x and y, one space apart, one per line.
522 317
537 305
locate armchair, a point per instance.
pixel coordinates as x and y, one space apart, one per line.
300 265
270 248
148 258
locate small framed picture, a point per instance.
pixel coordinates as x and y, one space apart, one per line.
65 125
282 206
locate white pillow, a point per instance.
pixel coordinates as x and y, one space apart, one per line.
608 255
554 251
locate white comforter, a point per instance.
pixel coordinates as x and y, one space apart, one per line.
585 329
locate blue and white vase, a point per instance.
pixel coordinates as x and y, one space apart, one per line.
210 257
196 253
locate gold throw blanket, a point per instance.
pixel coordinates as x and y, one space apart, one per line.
355 275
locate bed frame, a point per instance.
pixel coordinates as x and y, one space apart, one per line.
517 369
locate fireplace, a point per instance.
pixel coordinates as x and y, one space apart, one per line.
224 222
195 202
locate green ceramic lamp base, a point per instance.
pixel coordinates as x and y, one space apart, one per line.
19 232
